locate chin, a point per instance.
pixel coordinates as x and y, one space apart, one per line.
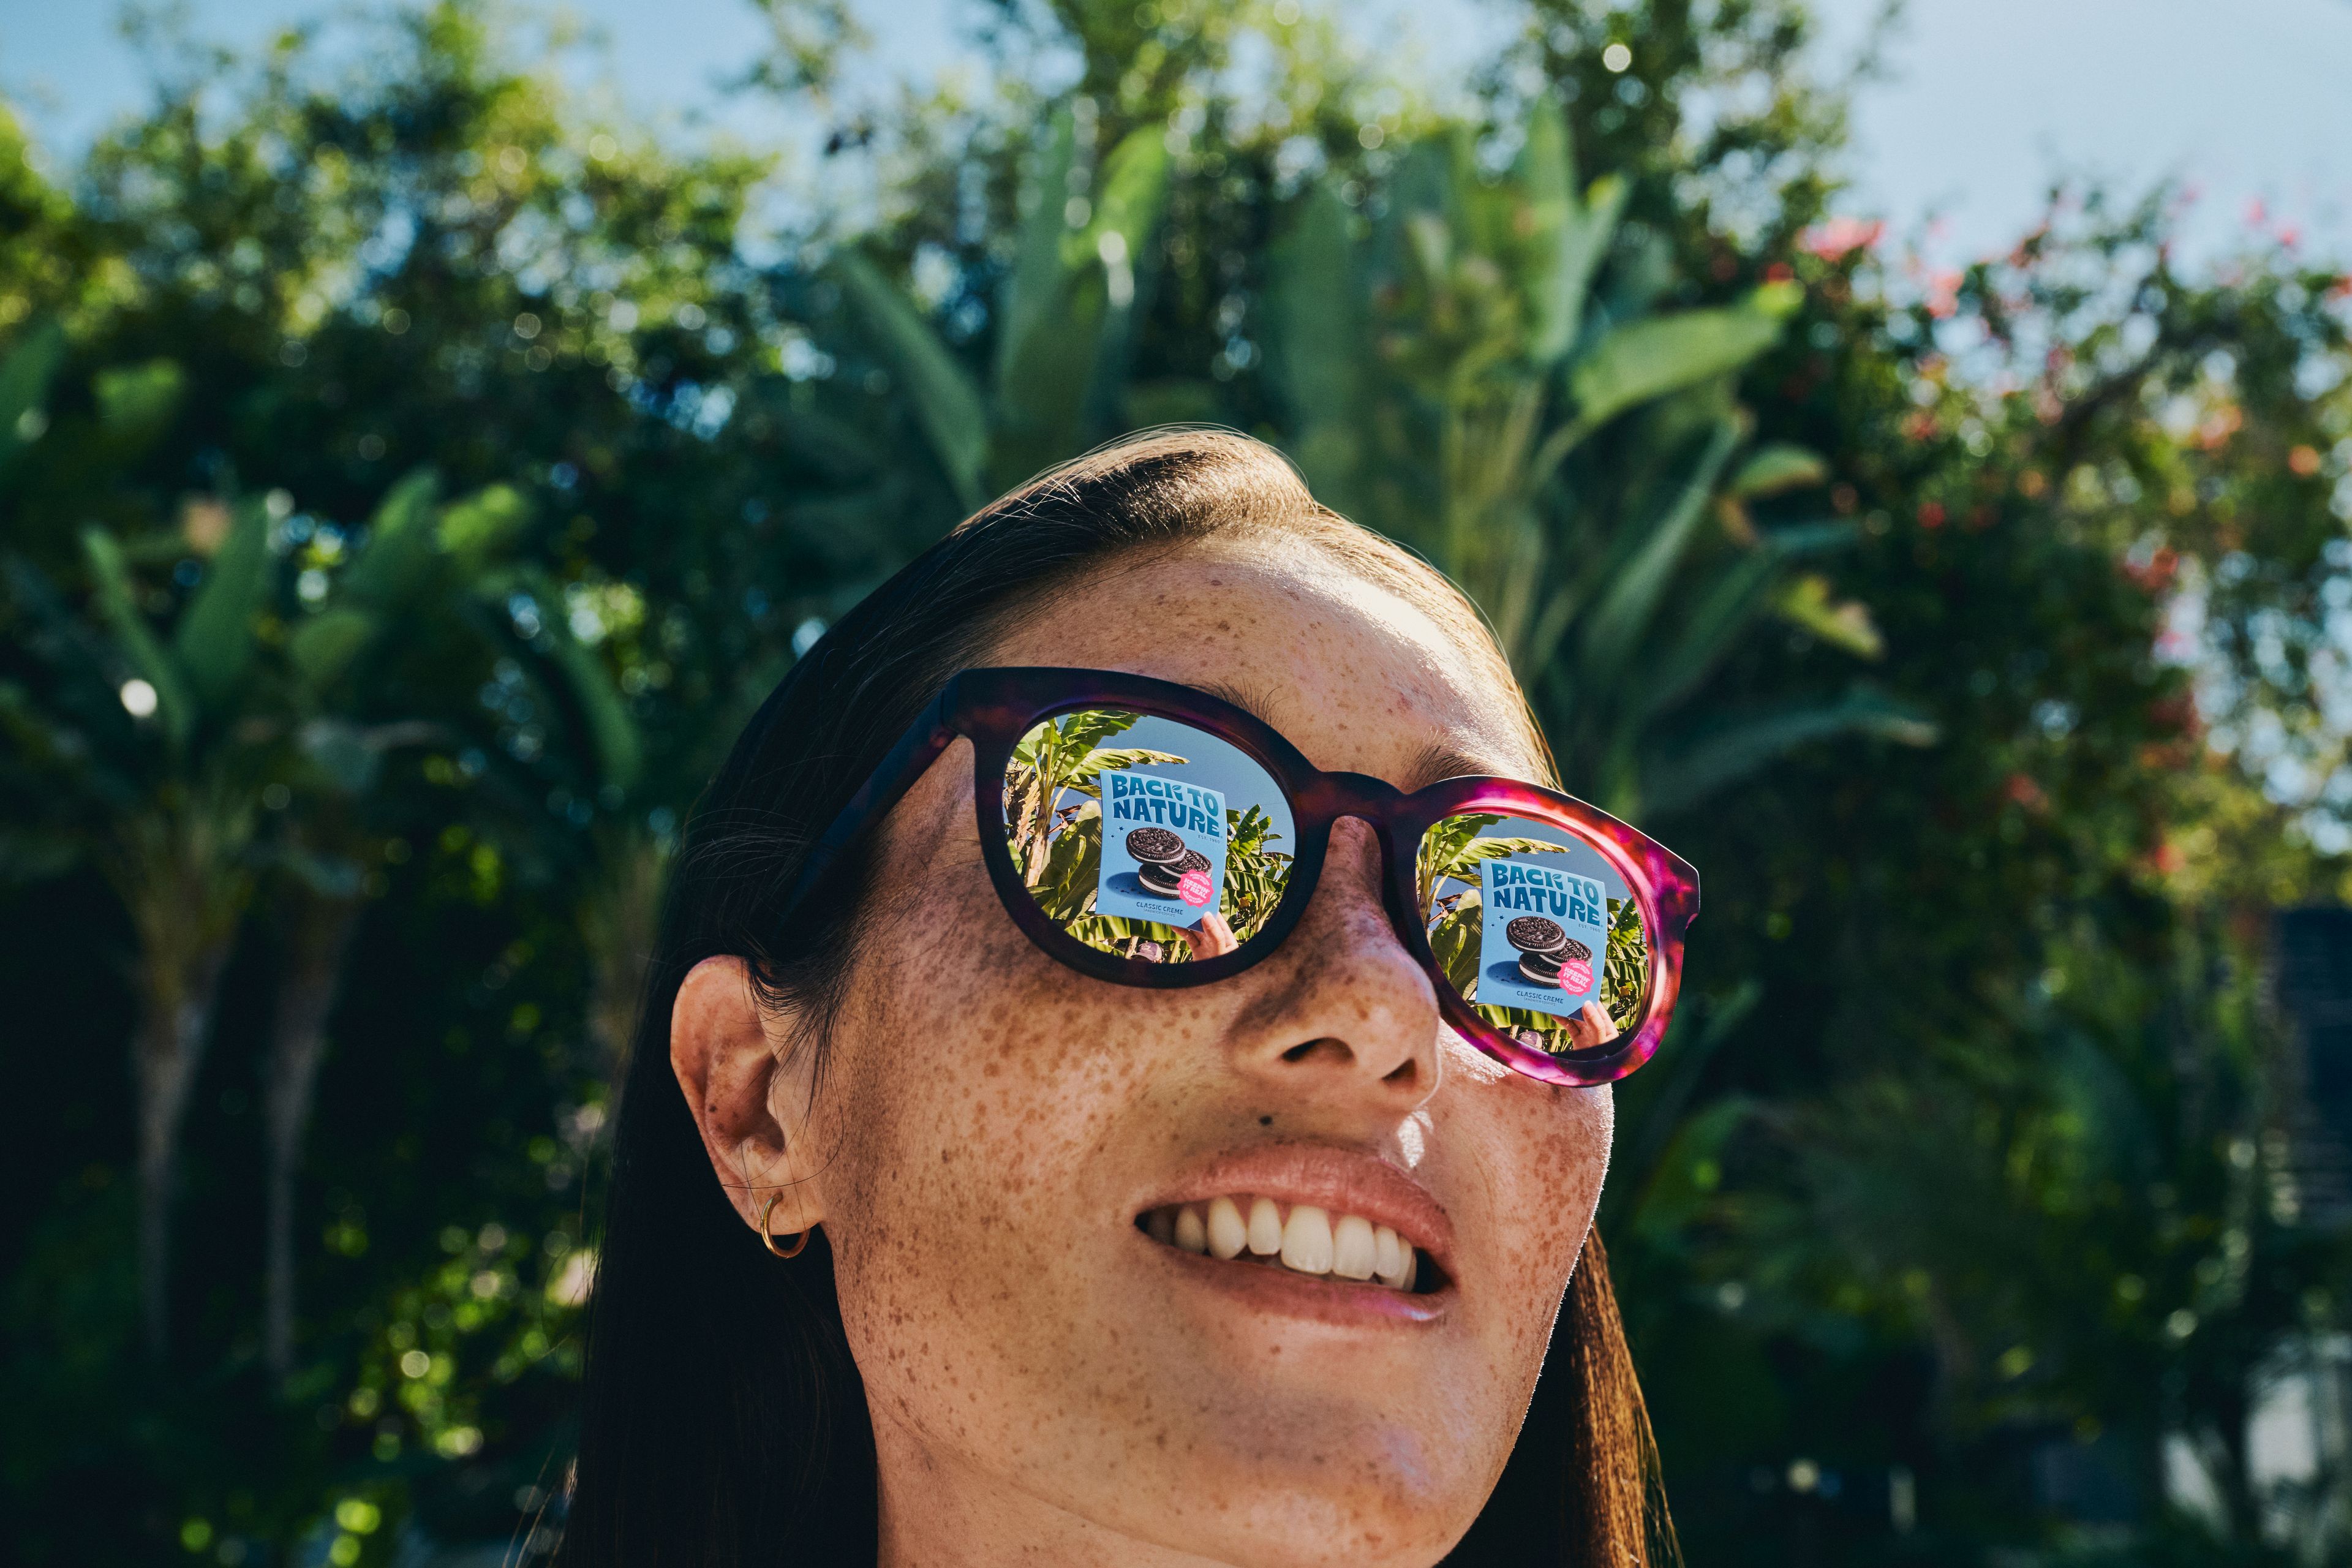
1372 1502
1316 1529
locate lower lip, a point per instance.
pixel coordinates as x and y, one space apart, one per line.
1271 1288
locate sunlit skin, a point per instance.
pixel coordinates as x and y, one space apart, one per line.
1049 1385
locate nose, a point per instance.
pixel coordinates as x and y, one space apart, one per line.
1342 1018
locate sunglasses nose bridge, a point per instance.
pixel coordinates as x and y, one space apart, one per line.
1333 798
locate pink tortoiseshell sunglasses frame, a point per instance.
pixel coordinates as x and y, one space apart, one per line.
995 708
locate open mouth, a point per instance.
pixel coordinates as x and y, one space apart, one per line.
1299 1237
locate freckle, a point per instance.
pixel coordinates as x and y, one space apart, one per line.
1266 1121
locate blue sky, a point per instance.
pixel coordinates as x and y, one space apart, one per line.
1986 100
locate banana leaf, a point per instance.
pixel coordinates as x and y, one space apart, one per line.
1649 358
1026 303
1569 238
1724 607
1614 627
176 708
24 378
398 559
1679 774
1805 601
474 529
1775 467
136 402
326 644
1316 351
945 402
616 747
217 638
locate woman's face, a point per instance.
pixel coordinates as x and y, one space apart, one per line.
991 1130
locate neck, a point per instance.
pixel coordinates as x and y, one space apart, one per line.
937 1512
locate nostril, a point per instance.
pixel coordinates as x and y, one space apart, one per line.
1307 1049
1404 1071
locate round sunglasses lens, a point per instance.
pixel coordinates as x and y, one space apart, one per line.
1535 930
1144 836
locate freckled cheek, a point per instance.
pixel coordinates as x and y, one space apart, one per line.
930 1058
974 1081
1554 1150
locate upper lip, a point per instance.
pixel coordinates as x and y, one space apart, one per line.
1341 1181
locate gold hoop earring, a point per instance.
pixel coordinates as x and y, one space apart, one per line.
767 1237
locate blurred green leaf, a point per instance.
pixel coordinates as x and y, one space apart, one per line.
1134 194
135 402
24 377
117 606
617 748
1614 627
946 403
1775 467
1569 238
216 639
476 529
1724 752
1318 341
398 558
1033 285
1687 1175
324 646
1655 356
1807 602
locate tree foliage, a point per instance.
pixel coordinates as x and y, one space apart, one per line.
410 476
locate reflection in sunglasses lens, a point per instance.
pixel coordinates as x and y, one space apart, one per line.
1535 930
1146 837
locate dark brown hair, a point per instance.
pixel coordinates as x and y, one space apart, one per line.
723 1424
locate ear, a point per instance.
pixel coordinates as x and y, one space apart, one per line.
748 1093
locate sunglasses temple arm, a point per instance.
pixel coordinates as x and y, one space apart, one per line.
907 760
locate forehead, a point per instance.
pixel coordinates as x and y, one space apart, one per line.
1358 677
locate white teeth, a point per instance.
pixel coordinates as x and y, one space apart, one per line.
1306 1240
1227 1232
1388 1255
1264 1228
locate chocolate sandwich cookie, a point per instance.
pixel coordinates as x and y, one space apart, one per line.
1543 968
1159 856
1542 947
1169 879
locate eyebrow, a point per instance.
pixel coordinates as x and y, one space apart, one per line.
1434 762
1248 699
1437 761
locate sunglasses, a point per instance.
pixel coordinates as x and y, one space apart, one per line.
1146 834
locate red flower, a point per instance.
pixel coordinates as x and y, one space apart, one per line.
1840 237
1943 294
2156 575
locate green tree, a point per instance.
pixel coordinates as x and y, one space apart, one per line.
382 656
167 811
1451 393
